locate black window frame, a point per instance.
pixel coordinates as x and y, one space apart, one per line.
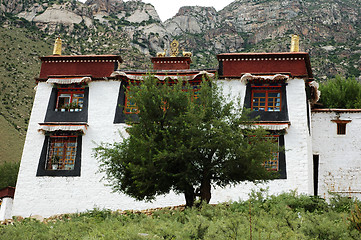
281 115
42 171
120 116
58 116
281 157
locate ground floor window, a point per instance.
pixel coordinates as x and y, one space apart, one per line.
277 162
61 154
273 163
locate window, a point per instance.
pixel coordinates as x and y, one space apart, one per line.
126 108
266 97
129 106
341 128
277 163
61 154
195 87
70 99
68 103
273 163
267 100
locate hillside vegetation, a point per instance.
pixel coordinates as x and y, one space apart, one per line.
19 64
284 217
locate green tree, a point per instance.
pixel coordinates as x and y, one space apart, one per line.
184 144
8 174
341 93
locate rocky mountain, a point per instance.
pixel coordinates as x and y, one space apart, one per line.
330 30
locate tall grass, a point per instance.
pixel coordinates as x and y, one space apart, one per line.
286 216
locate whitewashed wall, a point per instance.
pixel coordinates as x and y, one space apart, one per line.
6 208
47 196
339 155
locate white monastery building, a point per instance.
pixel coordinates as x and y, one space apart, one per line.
81 101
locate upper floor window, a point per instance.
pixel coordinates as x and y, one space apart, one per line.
68 103
266 97
130 107
267 100
127 109
70 99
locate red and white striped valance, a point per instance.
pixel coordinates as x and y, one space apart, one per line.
69 80
44 127
267 78
272 126
184 77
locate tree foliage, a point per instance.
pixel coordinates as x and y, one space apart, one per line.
341 92
8 174
184 144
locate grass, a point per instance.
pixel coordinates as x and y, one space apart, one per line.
286 216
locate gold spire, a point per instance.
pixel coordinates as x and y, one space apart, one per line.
57 47
295 43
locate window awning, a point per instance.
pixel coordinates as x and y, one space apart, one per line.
272 126
52 127
69 80
184 77
266 78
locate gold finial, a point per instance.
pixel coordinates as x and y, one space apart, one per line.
57 47
186 54
174 48
162 54
295 43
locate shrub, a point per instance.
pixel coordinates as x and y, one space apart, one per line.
8 174
355 218
341 93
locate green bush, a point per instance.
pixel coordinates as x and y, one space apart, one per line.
8 174
341 93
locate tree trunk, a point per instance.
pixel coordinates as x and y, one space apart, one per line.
205 191
189 196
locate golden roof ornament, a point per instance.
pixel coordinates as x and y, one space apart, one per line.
186 54
174 48
162 54
295 43
57 46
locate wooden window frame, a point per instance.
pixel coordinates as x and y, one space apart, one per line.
341 126
267 89
133 109
63 162
71 91
45 167
274 163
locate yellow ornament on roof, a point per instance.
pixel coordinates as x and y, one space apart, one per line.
174 48
57 47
